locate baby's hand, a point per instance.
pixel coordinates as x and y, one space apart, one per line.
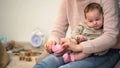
69 43
81 38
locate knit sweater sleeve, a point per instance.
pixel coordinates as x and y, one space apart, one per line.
111 31
61 24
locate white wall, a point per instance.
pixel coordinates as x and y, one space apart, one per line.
18 18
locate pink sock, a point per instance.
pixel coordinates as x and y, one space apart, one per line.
72 57
66 58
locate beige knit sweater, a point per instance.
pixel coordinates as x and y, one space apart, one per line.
72 12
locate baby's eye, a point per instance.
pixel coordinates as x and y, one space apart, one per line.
90 21
97 19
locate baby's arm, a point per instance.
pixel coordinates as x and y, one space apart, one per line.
77 31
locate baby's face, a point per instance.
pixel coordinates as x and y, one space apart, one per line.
94 19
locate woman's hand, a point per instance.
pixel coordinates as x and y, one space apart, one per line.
71 44
48 46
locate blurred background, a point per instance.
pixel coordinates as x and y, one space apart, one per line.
19 18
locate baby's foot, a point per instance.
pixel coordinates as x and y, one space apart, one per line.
66 58
72 57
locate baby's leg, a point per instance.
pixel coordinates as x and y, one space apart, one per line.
66 57
78 56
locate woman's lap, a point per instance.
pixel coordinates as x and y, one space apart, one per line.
50 61
104 61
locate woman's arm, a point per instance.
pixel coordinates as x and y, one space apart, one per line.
60 28
61 24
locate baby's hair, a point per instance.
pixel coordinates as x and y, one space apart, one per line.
93 6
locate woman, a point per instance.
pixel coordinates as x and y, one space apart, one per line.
70 13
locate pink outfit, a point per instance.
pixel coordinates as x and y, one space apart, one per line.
68 58
70 14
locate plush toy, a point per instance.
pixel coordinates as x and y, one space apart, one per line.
58 50
10 45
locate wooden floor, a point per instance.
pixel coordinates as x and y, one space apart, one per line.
16 63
